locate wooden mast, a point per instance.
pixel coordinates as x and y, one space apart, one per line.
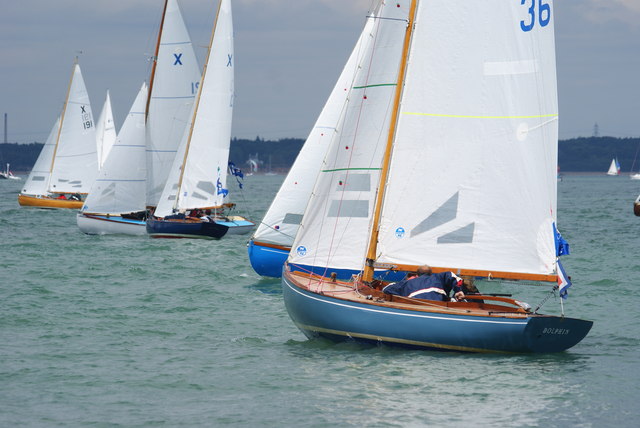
155 60
64 110
373 241
197 104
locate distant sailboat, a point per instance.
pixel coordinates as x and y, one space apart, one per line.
193 204
105 131
271 243
7 174
172 89
454 88
614 168
116 202
70 153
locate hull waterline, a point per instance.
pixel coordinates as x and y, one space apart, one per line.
336 319
102 224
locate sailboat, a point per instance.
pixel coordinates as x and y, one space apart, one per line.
116 202
175 77
193 204
68 163
105 132
8 175
614 168
419 184
270 245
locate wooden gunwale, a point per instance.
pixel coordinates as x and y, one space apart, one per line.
346 291
268 245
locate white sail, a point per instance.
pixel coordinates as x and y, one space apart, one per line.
120 186
75 163
38 181
613 168
172 92
472 183
281 222
198 175
336 220
105 131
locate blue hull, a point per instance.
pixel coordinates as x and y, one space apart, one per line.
182 229
267 261
318 315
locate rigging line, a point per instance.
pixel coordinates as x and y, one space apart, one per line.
551 293
464 116
374 85
351 169
277 230
382 18
375 31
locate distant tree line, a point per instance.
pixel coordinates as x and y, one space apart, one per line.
20 156
591 154
594 154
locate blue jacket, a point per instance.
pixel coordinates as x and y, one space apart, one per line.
437 286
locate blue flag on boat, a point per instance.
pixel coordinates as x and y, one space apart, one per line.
562 246
221 190
236 172
564 282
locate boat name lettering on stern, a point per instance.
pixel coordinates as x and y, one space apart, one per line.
561 331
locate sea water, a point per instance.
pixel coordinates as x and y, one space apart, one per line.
131 331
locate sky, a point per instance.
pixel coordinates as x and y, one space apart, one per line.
288 54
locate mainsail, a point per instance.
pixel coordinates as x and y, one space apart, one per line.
172 90
339 212
120 185
198 176
450 200
75 163
105 131
281 222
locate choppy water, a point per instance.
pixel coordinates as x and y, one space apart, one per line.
125 331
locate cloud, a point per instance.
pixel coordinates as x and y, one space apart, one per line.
627 11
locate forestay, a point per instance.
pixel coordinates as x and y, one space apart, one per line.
281 222
198 175
472 182
172 91
120 186
75 163
336 221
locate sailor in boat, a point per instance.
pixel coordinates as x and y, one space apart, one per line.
429 286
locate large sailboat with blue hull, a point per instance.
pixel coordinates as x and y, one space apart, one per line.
411 179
